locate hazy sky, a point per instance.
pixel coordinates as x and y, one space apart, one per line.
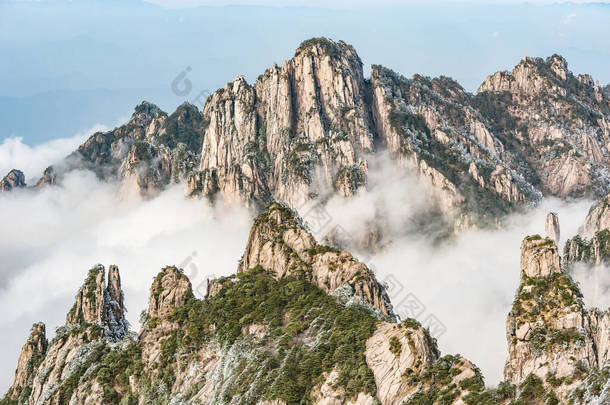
342 4
66 66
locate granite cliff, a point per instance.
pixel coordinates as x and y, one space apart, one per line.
307 129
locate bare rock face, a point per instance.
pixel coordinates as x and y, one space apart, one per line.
394 352
551 227
32 353
52 370
549 332
49 177
89 299
598 326
307 128
14 179
116 326
539 257
280 243
302 129
169 291
429 125
564 148
598 218
101 304
408 367
149 152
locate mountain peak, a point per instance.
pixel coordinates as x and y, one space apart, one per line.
547 317
170 289
279 242
559 65
324 46
531 76
144 113
101 304
14 179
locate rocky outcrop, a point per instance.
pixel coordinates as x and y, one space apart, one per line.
32 354
310 127
408 368
49 177
302 129
298 323
396 351
14 179
101 304
597 219
306 129
556 122
51 372
551 227
598 326
550 334
429 125
170 290
149 152
591 245
280 243
539 257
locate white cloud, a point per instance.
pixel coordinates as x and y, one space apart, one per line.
49 240
594 282
14 154
468 283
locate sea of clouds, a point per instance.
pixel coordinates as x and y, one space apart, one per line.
50 238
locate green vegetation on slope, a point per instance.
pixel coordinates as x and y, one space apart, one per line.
295 311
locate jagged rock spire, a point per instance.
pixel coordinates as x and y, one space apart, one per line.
99 304
114 321
551 227
89 299
14 179
32 353
548 329
279 242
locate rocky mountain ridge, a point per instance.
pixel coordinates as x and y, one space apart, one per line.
307 129
304 323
